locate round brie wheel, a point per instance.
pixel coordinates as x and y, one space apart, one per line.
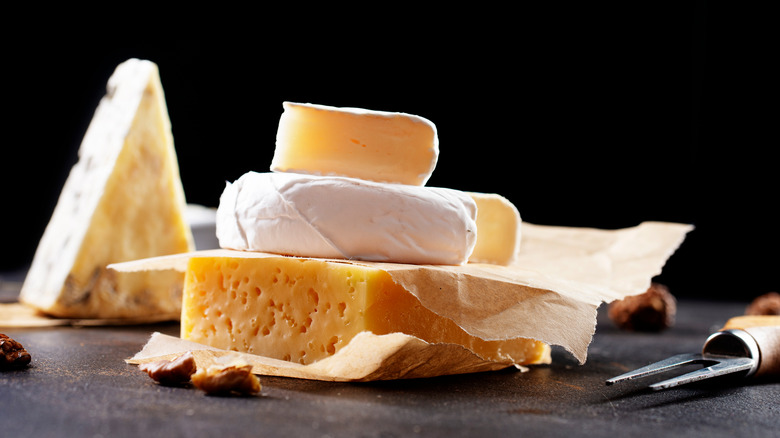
346 218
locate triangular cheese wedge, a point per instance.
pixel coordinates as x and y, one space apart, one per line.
123 200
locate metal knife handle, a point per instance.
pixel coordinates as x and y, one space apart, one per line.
765 330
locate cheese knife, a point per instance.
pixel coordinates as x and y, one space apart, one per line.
746 346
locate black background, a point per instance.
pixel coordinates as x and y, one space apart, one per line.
600 115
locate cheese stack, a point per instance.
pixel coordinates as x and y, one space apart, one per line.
345 183
123 200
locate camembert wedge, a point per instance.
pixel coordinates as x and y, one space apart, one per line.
123 200
387 147
303 310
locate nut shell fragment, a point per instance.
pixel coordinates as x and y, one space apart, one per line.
12 354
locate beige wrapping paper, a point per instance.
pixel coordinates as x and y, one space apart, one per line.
551 293
367 357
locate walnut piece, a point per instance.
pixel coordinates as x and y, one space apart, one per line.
766 304
174 372
652 311
12 354
227 380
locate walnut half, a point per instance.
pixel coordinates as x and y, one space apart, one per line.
175 372
12 354
227 380
766 304
651 311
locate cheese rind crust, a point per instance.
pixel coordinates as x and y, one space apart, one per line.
377 146
123 200
303 310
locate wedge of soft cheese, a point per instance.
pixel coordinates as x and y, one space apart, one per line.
379 146
346 218
303 310
123 200
498 230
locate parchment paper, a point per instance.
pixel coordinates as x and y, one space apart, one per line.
367 357
551 293
20 315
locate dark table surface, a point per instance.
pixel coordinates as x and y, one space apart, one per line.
79 385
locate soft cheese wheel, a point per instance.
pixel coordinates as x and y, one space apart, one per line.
303 310
379 146
498 230
349 218
123 200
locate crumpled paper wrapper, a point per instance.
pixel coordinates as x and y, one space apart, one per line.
551 293
367 357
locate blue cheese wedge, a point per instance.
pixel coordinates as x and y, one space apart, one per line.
123 200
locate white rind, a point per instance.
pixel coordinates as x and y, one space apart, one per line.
347 218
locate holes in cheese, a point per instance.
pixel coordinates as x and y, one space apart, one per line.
349 218
498 230
303 310
123 200
372 145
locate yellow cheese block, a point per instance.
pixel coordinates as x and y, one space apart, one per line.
378 146
303 310
123 200
498 230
